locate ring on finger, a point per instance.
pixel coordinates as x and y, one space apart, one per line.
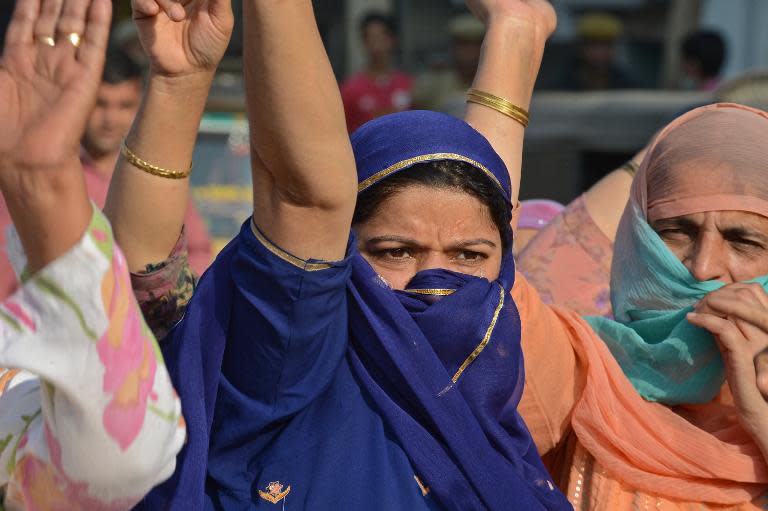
47 40
74 39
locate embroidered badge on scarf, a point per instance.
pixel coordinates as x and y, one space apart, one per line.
274 492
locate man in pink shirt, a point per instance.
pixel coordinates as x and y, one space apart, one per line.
380 89
118 101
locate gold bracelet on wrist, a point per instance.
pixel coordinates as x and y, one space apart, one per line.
499 104
147 167
630 168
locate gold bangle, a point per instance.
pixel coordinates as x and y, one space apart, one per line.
630 168
147 167
499 104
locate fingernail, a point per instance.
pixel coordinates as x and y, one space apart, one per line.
177 12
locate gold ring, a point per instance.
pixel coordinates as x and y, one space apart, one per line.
74 39
48 41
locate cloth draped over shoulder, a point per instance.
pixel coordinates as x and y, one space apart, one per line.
651 358
442 372
441 361
570 240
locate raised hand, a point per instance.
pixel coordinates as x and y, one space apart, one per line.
184 37
535 14
185 41
517 31
50 71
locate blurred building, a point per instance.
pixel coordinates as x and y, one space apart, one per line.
574 137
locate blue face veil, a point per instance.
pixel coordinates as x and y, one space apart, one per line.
441 363
443 360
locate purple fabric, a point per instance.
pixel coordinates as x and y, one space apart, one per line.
193 353
399 141
407 349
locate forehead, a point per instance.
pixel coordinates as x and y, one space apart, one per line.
127 90
425 209
376 27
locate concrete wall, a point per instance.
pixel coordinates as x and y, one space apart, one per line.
743 23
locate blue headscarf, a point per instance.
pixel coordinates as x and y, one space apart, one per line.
442 362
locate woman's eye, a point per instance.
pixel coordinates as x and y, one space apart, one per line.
744 243
394 253
669 232
468 255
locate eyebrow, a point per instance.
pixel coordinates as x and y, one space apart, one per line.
477 241
414 243
674 222
733 230
392 238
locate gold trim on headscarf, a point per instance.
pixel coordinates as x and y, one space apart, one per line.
367 183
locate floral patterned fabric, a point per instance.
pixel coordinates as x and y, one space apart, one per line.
569 263
163 290
89 419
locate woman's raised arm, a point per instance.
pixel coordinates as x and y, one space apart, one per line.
512 50
304 177
185 42
88 416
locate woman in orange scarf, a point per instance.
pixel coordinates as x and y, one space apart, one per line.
645 415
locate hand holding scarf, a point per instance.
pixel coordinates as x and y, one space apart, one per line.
737 316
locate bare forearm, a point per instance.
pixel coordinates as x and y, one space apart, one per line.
508 67
606 200
50 209
147 211
303 168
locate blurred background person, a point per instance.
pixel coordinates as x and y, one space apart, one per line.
118 100
380 88
704 53
117 103
444 90
596 65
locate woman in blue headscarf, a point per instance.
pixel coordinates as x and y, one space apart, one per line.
325 369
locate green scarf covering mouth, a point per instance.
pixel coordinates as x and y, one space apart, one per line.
667 359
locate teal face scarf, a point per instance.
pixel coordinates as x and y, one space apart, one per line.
666 358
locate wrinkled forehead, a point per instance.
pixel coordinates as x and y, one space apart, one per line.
716 160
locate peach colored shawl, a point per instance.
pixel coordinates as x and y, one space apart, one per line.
714 158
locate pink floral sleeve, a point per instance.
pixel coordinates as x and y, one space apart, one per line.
89 419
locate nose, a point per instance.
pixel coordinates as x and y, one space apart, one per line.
707 259
434 260
110 114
